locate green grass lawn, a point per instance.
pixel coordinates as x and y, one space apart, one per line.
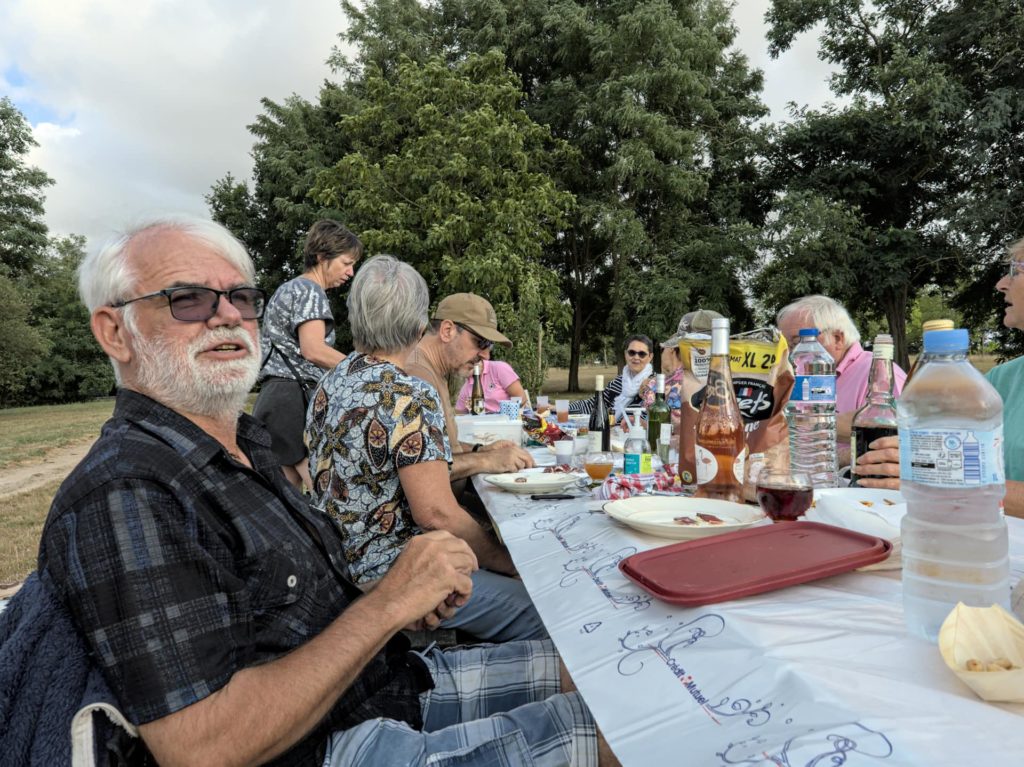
28 433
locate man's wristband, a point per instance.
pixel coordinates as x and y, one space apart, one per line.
476 447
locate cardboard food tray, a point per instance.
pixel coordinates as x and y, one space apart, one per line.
751 561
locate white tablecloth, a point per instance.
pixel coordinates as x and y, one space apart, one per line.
819 674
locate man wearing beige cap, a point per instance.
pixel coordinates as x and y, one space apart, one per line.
464 324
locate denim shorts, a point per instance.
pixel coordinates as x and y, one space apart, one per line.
492 706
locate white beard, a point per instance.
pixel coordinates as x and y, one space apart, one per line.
174 376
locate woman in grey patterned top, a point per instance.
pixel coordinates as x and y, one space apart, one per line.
297 337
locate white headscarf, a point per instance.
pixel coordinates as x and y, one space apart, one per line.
631 383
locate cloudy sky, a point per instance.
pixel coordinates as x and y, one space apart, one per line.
140 105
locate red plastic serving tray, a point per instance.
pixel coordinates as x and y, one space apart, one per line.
751 561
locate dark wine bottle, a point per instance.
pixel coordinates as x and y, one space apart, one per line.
876 418
600 425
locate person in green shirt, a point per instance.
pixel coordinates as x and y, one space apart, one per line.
1008 380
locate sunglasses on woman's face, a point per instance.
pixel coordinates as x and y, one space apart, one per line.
636 353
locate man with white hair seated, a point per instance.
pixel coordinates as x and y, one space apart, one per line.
217 604
841 339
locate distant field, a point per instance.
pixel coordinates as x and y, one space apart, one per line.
28 433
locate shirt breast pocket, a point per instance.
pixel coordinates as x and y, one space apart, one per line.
289 597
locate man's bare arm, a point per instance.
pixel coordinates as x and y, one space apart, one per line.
496 461
433 506
264 710
1013 503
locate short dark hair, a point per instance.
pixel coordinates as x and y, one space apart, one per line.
329 239
642 339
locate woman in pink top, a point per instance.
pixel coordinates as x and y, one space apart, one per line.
499 380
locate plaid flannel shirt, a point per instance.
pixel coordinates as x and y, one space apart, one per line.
180 567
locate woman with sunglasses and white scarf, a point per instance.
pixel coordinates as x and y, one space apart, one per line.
623 391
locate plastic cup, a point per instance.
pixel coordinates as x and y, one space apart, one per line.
563 450
542 401
562 410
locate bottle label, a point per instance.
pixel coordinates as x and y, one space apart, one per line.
819 389
952 457
739 464
637 463
594 442
707 465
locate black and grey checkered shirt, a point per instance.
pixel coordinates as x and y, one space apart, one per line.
180 566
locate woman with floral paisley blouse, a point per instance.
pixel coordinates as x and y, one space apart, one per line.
379 455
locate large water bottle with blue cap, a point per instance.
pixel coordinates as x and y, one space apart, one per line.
955 544
811 411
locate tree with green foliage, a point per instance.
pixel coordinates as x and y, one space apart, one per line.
75 368
22 229
295 141
446 172
21 344
923 131
659 113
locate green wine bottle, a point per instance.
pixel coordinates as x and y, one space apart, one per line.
658 413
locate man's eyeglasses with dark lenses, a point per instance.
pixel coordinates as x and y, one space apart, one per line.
481 343
193 303
636 353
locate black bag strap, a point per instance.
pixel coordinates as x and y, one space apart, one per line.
294 371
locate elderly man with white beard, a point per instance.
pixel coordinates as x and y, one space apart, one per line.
216 604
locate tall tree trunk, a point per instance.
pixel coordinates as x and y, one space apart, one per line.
895 307
575 343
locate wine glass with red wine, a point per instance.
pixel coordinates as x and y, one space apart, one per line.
784 495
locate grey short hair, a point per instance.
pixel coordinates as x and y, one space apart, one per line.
105 277
387 306
826 314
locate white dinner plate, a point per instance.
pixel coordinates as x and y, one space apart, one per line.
658 515
864 510
533 481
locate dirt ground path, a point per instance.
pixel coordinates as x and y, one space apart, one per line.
30 475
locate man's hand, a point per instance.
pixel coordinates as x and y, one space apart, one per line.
882 458
430 579
501 444
506 459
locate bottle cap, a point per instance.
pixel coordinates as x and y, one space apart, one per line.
808 332
720 322
599 382
636 429
945 341
937 325
476 369
883 338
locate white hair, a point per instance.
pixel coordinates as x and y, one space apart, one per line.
105 277
387 305
826 314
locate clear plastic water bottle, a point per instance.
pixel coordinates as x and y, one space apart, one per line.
811 411
955 544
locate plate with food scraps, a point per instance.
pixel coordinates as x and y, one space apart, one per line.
682 518
538 480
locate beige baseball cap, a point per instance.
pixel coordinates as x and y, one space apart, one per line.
692 322
475 313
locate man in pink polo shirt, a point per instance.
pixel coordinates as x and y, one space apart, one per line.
840 337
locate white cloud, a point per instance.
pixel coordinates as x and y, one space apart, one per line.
797 75
147 101
142 104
